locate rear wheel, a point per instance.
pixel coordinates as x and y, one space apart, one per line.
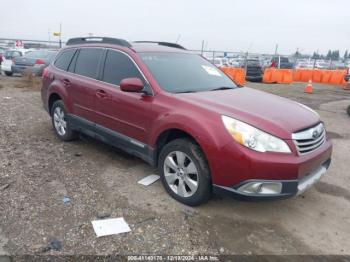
60 123
184 172
8 73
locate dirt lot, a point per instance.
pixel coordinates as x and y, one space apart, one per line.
37 171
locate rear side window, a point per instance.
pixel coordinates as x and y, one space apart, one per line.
12 54
119 66
63 60
87 63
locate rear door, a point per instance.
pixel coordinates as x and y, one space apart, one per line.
83 84
121 112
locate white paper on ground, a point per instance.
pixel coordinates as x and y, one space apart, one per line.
112 226
146 181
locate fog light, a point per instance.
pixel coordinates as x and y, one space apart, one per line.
261 188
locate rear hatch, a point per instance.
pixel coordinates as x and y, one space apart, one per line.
253 68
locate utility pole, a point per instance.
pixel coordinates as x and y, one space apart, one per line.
276 49
202 47
49 32
60 39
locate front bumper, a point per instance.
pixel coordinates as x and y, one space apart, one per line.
289 188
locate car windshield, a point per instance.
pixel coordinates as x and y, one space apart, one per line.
182 73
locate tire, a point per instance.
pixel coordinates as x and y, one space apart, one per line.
348 110
60 123
8 73
187 181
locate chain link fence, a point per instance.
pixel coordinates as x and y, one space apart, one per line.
220 58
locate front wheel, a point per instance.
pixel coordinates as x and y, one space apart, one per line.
184 172
60 123
348 110
8 73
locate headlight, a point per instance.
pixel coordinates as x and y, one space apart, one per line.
254 138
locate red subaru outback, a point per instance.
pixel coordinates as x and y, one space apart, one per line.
177 111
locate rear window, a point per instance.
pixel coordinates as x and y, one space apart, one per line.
253 62
284 60
88 62
63 60
38 54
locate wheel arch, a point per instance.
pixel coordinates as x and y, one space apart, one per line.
169 135
52 99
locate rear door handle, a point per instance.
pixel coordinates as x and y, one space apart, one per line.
101 93
66 82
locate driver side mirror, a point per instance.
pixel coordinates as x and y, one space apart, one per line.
133 84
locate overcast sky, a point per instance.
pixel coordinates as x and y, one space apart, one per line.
254 25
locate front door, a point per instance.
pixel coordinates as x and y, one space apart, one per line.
126 114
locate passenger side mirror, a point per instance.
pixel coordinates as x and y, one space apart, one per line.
133 84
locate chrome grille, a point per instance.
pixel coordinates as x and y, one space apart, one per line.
310 139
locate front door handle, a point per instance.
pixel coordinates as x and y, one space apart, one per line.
66 82
101 93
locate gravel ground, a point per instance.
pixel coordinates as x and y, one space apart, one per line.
37 171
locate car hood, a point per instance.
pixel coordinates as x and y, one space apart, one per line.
273 114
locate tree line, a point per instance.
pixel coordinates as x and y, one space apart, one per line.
331 55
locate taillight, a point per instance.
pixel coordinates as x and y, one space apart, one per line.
40 62
45 73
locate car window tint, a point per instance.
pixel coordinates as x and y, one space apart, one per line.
63 60
88 61
119 66
11 54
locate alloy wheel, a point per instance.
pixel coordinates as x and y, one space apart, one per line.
181 174
59 121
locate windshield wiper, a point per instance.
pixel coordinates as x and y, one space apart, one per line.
221 88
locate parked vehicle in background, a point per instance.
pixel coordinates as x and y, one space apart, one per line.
281 62
304 64
338 65
220 62
35 61
8 59
347 76
2 51
180 113
322 65
234 63
254 71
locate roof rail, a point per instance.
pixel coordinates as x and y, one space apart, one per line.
94 39
174 45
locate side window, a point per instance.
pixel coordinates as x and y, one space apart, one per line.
87 63
119 66
71 67
17 54
63 60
